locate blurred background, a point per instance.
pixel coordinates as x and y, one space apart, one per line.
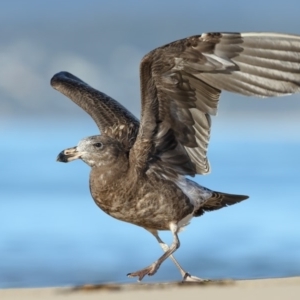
51 232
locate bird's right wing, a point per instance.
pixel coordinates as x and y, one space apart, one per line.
111 117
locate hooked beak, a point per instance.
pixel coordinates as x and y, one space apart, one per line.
68 155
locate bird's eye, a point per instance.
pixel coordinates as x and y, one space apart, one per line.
98 145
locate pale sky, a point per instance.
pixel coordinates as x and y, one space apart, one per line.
102 42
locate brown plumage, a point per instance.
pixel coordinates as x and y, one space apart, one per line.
138 169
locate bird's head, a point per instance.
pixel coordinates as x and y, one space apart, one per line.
96 151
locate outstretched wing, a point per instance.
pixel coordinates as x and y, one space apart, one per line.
181 83
110 116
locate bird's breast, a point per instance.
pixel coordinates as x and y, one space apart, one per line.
146 202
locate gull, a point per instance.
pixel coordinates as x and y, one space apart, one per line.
139 168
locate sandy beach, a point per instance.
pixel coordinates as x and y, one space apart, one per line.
278 288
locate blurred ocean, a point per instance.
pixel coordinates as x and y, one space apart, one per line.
52 233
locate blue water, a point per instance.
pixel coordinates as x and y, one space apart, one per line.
52 233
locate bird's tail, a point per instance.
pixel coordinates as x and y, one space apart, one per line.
219 200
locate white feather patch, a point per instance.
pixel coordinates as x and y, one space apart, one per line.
195 192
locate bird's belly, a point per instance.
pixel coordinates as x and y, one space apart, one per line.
150 210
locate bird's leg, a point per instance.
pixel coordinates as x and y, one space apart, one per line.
185 275
151 270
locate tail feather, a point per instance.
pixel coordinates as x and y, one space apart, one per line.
219 200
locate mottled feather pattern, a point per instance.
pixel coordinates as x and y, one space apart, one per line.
138 169
110 116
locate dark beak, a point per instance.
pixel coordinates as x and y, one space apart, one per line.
68 155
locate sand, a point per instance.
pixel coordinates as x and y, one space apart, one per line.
279 288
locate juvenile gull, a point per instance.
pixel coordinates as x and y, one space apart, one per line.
138 169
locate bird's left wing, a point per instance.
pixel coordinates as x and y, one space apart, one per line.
181 83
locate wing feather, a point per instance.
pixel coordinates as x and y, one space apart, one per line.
110 116
181 83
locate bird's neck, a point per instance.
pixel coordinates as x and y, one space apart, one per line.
107 175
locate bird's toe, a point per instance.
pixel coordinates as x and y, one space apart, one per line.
189 278
151 270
